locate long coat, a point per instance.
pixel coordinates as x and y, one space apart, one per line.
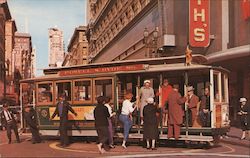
245 119
31 118
150 127
145 93
192 105
175 111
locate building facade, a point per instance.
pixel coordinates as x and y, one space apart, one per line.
77 48
9 46
22 55
56 47
4 16
133 29
33 63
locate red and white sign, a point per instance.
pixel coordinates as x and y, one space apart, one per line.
102 70
199 23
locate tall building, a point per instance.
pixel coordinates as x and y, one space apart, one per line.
10 27
5 16
77 48
22 55
56 47
33 63
132 29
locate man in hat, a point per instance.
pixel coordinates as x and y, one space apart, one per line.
31 120
62 109
192 102
145 92
9 122
175 112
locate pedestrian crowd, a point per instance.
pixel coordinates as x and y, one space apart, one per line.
171 107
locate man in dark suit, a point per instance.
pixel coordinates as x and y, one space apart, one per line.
205 114
9 122
62 109
31 120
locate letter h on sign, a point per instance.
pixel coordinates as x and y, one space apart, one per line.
199 24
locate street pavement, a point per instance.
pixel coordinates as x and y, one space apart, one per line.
228 147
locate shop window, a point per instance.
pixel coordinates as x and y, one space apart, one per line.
82 91
45 91
65 89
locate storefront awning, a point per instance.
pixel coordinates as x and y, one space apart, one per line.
242 51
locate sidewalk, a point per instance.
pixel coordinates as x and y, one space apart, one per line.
234 136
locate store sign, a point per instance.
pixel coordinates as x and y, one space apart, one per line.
102 70
199 23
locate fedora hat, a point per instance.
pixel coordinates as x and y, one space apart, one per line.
243 99
190 88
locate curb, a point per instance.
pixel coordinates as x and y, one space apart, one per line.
236 141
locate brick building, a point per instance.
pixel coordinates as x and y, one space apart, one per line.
133 29
77 48
4 16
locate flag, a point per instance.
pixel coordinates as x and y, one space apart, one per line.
188 56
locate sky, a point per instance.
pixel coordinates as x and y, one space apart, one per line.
36 16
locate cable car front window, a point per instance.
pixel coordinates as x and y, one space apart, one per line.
45 93
82 91
104 88
65 89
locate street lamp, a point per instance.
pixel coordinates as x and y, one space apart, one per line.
155 39
151 43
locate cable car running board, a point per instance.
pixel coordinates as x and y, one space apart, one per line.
164 136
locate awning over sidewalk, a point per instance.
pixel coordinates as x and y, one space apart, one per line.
242 51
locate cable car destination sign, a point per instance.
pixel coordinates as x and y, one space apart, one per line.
199 23
102 70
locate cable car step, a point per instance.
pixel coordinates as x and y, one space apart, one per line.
164 136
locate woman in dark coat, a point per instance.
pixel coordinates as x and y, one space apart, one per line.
244 119
150 128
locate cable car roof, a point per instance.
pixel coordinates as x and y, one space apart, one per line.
197 58
147 68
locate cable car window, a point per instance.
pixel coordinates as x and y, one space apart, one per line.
223 88
103 88
45 91
82 90
27 93
65 89
216 88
